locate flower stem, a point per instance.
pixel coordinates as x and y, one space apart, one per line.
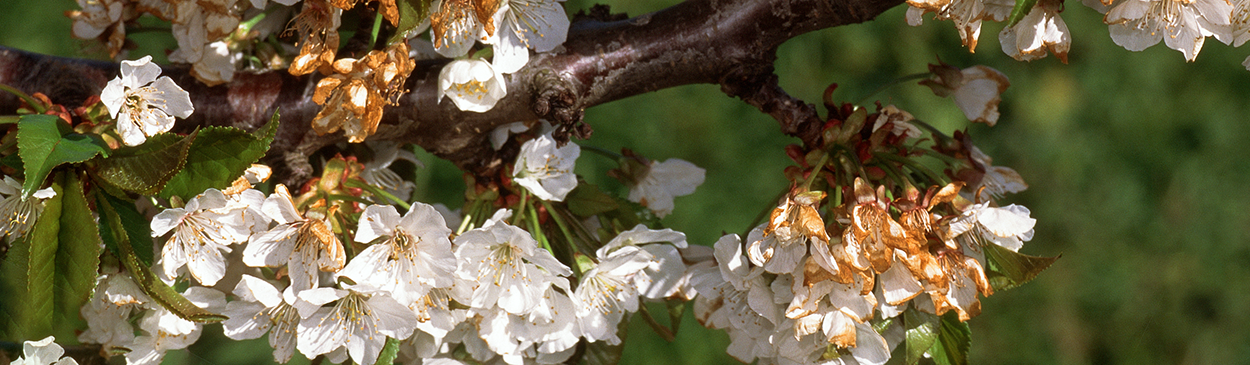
29 100
520 210
603 152
377 27
891 84
824 159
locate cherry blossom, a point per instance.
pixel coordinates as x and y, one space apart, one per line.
546 170
143 104
473 85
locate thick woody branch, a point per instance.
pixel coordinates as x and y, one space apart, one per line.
727 42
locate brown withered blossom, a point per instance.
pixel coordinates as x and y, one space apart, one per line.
317 27
352 98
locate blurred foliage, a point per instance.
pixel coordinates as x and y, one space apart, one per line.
1134 160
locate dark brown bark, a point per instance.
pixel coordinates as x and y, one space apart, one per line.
732 43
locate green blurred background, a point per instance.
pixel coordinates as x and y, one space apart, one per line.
1135 162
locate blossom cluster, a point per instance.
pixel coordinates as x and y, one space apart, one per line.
495 291
1133 24
827 281
219 37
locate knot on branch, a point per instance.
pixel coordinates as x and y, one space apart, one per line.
757 85
557 101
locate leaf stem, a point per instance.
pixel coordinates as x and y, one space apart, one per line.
891 84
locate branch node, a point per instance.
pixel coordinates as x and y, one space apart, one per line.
558 102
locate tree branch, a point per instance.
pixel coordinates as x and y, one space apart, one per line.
732 43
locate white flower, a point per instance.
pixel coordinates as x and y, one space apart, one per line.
409 256
261 308
18 214
200 236
43 352
523 24
1008 226
108 311
1182 25
1239 23
456 25
473 85
216 64
606 292
143 104
976 90
663 181
663 275
166 331
544 169
1038 31
302 244
505 266
500 135
360 320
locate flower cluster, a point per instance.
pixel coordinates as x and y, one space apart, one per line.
340 279
219 37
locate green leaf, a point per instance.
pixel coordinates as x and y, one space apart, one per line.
146 168
134 227
112 228
921 333
587 200
1008 269
13 278
1022 8
78 253
41 268
44 142
411 14
954 338
389 351
218 157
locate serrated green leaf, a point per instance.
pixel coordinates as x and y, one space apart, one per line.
389 351
13 278
1022 8
411 14
78 253
219 156
41 267
1008 269
134 227
145 169
954 339
44 142
112 228
587 200
921 333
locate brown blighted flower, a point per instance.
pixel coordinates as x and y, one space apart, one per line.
387 8
876 233
353 97
918 221
317 26
455 23
967 279
780 245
